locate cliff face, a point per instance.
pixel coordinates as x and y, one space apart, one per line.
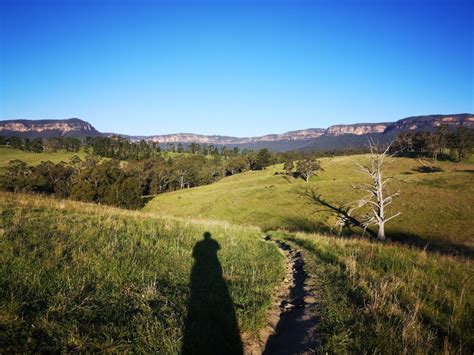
77 128
358 129
406 124
47 128
305 134
433 121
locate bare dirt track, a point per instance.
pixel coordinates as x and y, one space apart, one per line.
293 319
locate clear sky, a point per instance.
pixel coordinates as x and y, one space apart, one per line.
237 68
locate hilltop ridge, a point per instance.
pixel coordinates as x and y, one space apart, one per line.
333 137
47 128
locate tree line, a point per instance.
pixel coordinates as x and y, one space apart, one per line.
117 147
39 145
126 183
441 144
123 173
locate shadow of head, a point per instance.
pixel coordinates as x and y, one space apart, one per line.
207 235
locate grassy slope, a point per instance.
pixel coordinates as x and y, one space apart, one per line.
436 206
389 298
7 154
82 277
375 298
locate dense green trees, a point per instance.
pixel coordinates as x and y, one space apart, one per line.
118 182
439 144
38 145
120 148
35 145
262 160
13 142
16 177
90 180
288 167
461 142
120 172
45 178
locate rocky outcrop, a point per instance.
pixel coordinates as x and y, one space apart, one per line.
305 134
432 121
47 128
406 124
358 129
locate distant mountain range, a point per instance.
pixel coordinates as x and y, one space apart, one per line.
334 137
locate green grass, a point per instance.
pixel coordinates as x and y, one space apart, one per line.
81 277
7 154
437 207
469 159
372 297
379 298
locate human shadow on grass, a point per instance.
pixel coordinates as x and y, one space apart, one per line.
211 324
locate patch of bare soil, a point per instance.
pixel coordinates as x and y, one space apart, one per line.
293 319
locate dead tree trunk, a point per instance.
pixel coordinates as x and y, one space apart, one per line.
376 198
182 178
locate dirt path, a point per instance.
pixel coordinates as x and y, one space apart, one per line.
293 319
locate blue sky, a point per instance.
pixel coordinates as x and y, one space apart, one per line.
234 67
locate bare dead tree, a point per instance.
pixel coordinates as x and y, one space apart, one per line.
345 213
160 181
377 198
181 175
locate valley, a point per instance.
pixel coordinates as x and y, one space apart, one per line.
264 177
436 207
97 278
336 137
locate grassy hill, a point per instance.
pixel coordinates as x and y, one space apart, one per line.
437 206
372 297
82 277
8 154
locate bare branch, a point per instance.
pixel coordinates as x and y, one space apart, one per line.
392 217
390 197
387 179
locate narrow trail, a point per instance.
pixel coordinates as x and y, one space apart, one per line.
293 319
